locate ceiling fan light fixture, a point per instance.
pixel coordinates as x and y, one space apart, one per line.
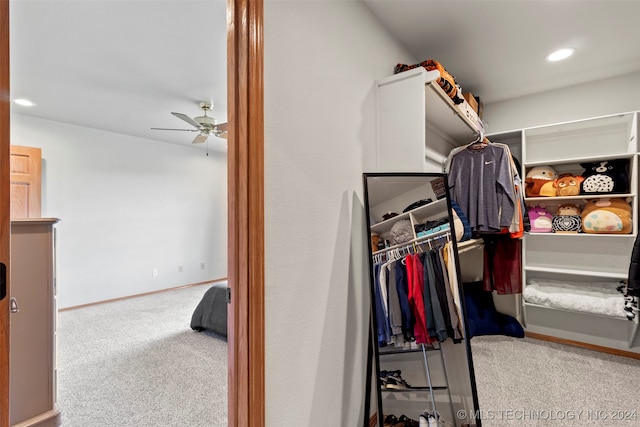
204 124
560 54
205 120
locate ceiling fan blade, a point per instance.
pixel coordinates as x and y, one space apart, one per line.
187 119
222 127
200 138
186 130
223 135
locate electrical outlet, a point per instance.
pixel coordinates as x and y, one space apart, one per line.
154 272
180 269
202 266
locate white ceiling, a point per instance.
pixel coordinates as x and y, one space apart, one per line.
496 49
125 65
121 66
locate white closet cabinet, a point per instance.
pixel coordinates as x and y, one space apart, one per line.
32 353
417 124
589 259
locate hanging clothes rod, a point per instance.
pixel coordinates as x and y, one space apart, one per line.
418 241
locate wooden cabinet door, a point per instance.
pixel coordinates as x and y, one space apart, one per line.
32 382
25 182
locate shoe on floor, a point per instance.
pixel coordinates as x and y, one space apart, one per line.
427 420
405 421
390 420
394 380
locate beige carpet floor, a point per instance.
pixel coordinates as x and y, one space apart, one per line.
528 382
136 362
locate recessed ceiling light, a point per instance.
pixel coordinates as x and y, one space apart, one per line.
24 102
560 54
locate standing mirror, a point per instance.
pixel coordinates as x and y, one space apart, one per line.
420 351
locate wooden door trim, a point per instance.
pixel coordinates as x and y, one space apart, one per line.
4 209
245 154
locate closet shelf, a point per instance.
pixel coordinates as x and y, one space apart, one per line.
623 320
602 124
441 113
581 235
578 160
430 209
414 389
583 197
419 240
578 272
407 351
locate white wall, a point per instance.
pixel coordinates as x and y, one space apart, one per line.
127 206
321 59
611 96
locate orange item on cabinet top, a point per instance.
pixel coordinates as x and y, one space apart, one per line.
473 102
446 81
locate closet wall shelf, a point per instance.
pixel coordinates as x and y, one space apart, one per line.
442 113
414 389
612 332
578 272
585 139
407 351
580 235
427 210
439 235
623 320
411 108
578 160
582 197
603 124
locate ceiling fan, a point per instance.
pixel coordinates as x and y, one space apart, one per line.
204 124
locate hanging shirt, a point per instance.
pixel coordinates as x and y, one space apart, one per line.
520 220
481 183
381 320
438 327
455 331
502 264
428 308
384 298
395 312
436 306
415 298
450 261
402 287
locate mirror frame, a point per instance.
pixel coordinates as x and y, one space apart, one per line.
373 354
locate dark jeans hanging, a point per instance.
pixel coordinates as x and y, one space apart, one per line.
502 264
